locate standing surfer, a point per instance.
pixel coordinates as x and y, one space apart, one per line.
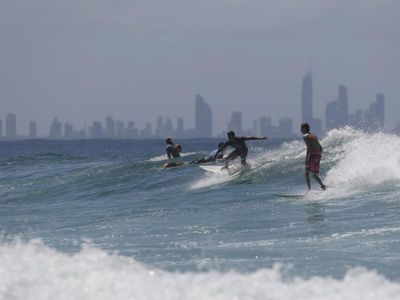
313 156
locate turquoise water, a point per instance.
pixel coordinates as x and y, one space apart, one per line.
101 219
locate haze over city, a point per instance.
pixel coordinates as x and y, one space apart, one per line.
136 60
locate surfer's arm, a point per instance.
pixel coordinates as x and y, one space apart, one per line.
255 138
219 151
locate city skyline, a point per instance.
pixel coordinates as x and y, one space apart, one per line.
337 115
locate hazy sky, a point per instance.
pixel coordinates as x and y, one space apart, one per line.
82 60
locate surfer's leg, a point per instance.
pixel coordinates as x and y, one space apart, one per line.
226 164
323 186
307 176
243 157
231 156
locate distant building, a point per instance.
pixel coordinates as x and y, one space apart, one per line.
203 118
265 126
11 126
356 120
255 127
1 129
168 128
236 123
55 129
96 130
375 115
307 98
146 132
179 127
307 105
160 131
285 129
132 132
337 112
110 128
32 130
68 131
120 130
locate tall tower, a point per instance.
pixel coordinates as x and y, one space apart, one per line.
32 130
11 126
307 98
337 111
203 118
110 127
380 108
235 123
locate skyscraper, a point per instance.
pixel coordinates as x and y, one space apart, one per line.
307 98
307 104
337 111
179 127
11 126
110 128
203 118
285 128
235 123
375 115
32 130
265 126
68 131
55 129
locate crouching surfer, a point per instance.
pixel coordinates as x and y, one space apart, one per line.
240 147
173 151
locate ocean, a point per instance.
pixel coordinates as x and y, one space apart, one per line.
101 219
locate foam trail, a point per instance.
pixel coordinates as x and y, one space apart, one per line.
34 271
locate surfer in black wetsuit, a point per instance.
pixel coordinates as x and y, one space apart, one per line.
240 147
313 156
173 151
210 156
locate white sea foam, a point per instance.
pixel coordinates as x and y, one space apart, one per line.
363 160
34 271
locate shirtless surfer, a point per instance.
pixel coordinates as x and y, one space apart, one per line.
240 147
313 156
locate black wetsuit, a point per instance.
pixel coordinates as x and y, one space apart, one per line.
172 151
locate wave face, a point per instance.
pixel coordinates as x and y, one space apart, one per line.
185 226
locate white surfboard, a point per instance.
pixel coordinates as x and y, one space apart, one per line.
218 170
299 195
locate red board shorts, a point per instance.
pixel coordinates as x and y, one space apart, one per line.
313 162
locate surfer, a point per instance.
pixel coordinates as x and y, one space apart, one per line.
313 156
210 156
173 151
240 147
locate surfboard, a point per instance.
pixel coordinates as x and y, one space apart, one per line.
289 195
214 169
173 165
217 170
